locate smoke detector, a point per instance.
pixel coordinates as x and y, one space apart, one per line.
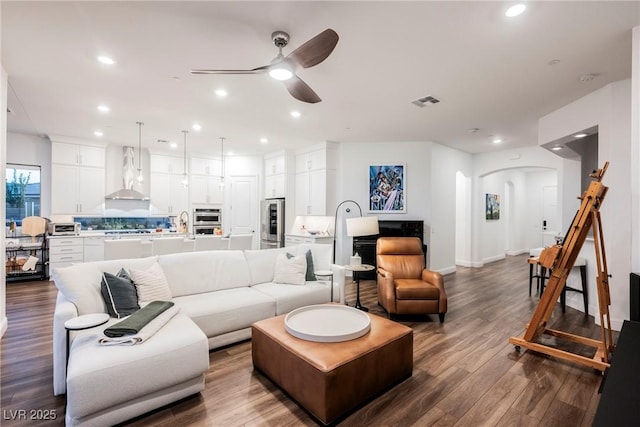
422 102
588 77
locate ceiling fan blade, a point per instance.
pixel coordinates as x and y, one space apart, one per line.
315 50
258 70
301 91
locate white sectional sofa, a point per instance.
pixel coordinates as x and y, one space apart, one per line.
219 293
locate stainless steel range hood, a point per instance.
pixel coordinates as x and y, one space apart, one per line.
128 174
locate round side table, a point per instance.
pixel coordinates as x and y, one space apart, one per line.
356 269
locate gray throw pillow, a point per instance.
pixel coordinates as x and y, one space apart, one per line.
119 294
309 277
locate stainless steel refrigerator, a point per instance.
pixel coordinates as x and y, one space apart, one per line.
271 223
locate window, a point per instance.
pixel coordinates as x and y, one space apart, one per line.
23 192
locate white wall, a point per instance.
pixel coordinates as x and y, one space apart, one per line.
463 220
513 163
353 171
635 152
445 163
3 161
33 150
610 109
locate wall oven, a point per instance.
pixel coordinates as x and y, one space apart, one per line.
206 221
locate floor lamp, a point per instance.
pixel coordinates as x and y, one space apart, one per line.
358 226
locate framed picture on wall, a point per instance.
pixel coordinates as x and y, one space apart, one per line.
387 185
492 206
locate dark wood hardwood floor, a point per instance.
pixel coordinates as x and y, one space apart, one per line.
465 371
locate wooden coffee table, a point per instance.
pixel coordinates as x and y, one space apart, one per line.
330 379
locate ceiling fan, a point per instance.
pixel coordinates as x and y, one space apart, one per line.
311 53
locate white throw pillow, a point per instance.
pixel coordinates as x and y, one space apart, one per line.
290 271
151 284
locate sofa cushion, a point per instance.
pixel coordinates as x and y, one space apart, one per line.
103 377
151 284
80 283
228 310
309 275
191 273
119 294
262 263
290 297
290 270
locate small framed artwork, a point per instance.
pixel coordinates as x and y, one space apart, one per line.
386 188
492 206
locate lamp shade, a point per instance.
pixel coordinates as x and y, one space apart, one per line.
362 226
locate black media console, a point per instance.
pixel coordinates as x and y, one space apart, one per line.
365 246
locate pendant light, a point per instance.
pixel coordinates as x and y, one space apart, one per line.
185 180
140 177
222 159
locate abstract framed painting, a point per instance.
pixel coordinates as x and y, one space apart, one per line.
387 184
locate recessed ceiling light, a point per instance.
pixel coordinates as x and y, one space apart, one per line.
473 130
295 114
496 140
104 108
221 93
106 60
98 133
229 153
173 144
515 10
579 135
196 126
264 140
556 148
553 62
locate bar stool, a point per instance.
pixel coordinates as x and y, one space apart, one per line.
540 271
580 263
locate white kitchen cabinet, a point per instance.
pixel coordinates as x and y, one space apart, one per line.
293 240
168 194
166 164
64 251
93 248
206 166
77 179
275 165
204 183
205 190
278 174
315 181
76 154
275 185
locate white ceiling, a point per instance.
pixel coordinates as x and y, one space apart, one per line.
489 72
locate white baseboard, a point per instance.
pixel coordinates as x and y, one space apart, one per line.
514 252
493 259
477 264
447 270
462 263
3 326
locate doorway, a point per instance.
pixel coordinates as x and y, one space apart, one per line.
243 206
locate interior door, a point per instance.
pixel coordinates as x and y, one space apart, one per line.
243 209
549 223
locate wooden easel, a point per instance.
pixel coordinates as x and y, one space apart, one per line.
560 259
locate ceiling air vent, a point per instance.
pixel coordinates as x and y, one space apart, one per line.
426 100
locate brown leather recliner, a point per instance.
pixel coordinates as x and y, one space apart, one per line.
404 285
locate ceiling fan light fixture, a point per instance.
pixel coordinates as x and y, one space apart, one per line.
280 72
